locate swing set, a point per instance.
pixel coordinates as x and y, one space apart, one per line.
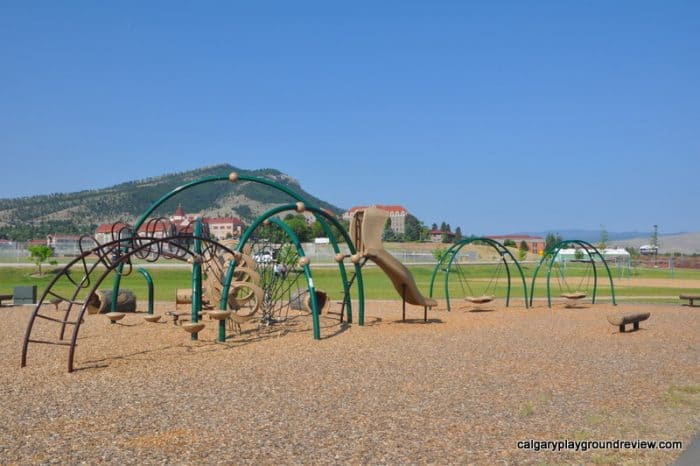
576 277
472 293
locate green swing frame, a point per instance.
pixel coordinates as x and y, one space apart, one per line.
549 258
506 260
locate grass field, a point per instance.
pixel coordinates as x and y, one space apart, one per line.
651 285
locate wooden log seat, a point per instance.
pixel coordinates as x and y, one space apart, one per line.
690 298
625 318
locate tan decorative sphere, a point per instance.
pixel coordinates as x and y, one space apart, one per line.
304 261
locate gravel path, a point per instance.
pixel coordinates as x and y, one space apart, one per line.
461 389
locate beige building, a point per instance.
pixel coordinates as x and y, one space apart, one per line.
224 227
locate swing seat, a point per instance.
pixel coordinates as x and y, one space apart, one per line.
574 295
480 299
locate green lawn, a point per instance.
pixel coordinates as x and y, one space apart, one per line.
479 280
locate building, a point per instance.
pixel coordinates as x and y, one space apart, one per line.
224 227
648 250
436 236
535 244
109 231
158 228
397 216
178 224
64 245
35 242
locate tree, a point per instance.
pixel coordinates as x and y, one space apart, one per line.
287 255
434 226
388 235
317 229
603 243
551 240
439 254
522 250
40 253
298 224
509 243
414 227
458 233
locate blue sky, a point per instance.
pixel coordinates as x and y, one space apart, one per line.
495 116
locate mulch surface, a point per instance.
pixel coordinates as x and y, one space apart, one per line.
463 388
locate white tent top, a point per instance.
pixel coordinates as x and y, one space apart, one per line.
570 253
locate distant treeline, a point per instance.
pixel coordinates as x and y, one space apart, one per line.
25 232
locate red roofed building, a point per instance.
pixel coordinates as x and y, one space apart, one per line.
535 244
108 231
35 242
179 223
397 216
160 228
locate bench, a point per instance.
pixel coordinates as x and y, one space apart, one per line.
4 297
622 319
690 298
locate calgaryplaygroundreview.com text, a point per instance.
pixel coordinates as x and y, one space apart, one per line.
585 445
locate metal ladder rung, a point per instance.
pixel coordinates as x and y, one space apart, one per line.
44 342
63 299
69 322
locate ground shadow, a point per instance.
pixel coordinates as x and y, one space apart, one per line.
419 321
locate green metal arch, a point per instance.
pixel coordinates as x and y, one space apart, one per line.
231 177
551 254
341 267
307 273
452 252
269 215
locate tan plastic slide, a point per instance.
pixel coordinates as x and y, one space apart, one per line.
366 230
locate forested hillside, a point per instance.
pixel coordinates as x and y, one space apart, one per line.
80 212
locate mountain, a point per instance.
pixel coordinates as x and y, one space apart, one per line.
684 243
79 212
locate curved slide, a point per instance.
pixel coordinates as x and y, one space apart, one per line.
366 227
400 276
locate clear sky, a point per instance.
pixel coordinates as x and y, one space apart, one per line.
496 116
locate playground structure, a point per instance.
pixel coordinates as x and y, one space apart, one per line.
261 276
242 287
449 262
584 266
